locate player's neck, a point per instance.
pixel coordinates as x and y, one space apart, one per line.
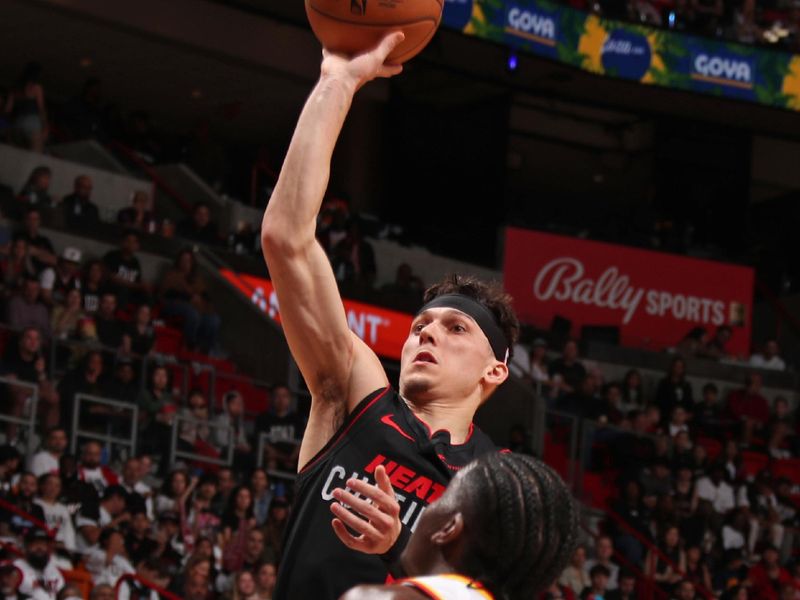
441 414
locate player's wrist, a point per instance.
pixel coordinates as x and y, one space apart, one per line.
339 80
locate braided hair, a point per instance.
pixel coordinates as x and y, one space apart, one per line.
522 525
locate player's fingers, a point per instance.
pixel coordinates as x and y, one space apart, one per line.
386 502
352 542
388 70
382 479
353 522
362 507
389 43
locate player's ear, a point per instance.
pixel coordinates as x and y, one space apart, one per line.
496 374
450 531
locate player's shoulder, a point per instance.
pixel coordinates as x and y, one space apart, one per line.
383 592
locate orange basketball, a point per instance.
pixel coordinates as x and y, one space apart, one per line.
353 26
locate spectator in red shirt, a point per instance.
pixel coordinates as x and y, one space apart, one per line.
768 576
750 407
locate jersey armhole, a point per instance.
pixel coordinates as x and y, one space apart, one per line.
352 418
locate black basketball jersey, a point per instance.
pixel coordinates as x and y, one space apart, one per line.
381 430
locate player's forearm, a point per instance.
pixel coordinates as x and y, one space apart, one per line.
295 202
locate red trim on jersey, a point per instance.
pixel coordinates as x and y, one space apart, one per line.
431 433
388 420
343 433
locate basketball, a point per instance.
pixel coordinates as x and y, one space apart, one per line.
354 26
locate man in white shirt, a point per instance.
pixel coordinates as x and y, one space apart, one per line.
47 460
138 491
713 489
56 514
769 358
41 579
604 550
91 471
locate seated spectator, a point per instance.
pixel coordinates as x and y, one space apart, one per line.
99 476
284 429
156 403
139 544
41 578
148 569
679 421
123 385
110 330
140 336
28 515
56 515
26 104
140 495
731 461
674 390
40 248
184 294
138 217
667 573
713 489
199 227
716 348
108 561
576 576
25 361
749 407
598 575
36 191
626 589
172 493
769 357
16 266
237 519
696 568
244 586
78 210
48 459
262 495
10 461
557 591
736 530
604 551
353 259
125 272
94 286
266 577
632 392
230 429
684 591
95 518
85 378
657 480
275 528
694 343
195 429
69 322
26 309
567 372
708 418
65 277
780 430
746 28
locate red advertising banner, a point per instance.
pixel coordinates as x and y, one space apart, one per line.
385 331
654 298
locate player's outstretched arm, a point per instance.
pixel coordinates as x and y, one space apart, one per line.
338 368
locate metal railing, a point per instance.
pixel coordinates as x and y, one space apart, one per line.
182 424
30 404
112 411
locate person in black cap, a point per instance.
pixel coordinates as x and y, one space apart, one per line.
421 434
41 578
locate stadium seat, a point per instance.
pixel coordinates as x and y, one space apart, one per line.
713 447
753 462
787 467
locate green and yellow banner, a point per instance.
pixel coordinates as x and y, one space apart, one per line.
633 52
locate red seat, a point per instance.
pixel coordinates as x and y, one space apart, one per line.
713 447
597 490
753 462
787 467
168 340
556 456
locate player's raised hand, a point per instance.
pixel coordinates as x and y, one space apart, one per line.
374 514
358 70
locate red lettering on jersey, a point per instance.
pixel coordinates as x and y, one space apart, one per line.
401 477
421 486
438 489
378 460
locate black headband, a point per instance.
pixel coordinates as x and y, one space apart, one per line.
480 314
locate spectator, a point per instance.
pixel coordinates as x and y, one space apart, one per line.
716 347
78 209
626 589
125 272
683 492
69 322
199 227
749 407
684 591
225 484
28 515
156 404
769 357
598 576
140 336
353 259
679 421
667 573
696 568
780 430
575 576
266 576
736 530
85 378
604 551
173 490
768 575
582 402
713 489
632 392
94 286
16 266
36 191
123 385
184 294
57 283
138 217
110 330
745 27
567 372
149 569
56 515
139 545
40 248
140 495
262 495
275 528
26 309
48 460
95 518
253 550
10 576
284 429
406 290
230 429
10 461
245 240
557 591
99 476
108 561
27 107
25 361
708 415
244 586
674 390
657 480
41 578
694 343
195 429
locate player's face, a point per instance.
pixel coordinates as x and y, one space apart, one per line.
446 355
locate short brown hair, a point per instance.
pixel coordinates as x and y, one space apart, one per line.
490 294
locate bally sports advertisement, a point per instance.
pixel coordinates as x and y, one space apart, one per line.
653 298
633 52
